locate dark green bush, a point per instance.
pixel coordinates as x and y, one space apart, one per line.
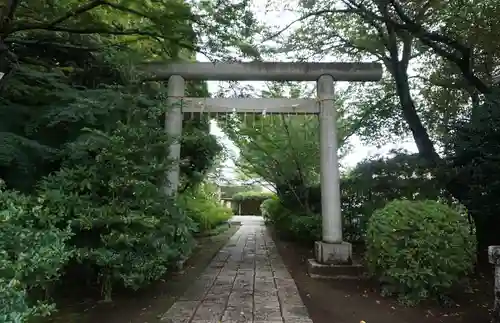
370 186
126 232
32 254
305 227
418 249
275 213
102 218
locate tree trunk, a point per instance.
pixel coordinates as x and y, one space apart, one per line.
420 135
487 234
485 224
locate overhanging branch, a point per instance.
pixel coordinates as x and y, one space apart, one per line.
304 17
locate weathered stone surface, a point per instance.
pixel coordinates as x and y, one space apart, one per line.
494 255
333 253
332 271
246 282
210 311
180 312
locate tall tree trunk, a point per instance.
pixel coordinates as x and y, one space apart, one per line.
458 189
419 133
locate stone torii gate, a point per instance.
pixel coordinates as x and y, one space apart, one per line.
332 250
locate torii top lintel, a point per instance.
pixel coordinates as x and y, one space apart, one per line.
265 71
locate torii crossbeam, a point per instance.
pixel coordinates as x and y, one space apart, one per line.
332 249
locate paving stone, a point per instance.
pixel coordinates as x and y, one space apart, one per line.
246 282
267 310
241 301
297 320
180 312
211 311
237 315
238 297
218 294
225 280
266 299
197 291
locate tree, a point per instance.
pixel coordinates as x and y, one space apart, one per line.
474 54
399 35
164 28
82 136
283 151
52 52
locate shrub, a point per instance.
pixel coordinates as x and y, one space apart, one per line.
274 212
206 212
32 254
418 249
126 232
252 195
269 207
305 227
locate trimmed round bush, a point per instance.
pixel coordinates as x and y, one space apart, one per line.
277 215
269 207
418 249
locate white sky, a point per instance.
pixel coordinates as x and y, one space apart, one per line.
359 152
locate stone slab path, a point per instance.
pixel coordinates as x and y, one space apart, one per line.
246 282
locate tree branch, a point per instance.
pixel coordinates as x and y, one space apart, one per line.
304 17
453 84
461 54
78 11
26 42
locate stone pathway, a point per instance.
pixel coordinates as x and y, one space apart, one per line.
246 282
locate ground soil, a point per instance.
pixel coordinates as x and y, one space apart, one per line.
349 301
148 305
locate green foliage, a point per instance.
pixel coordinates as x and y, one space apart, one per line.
199 152
277 215
228 191
252 195
269 208
301 227
475 150
110 192
306 227
282 150
373 183
84 137
370 186
203 207
33 252
419 249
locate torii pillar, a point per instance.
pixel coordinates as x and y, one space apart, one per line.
332 250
